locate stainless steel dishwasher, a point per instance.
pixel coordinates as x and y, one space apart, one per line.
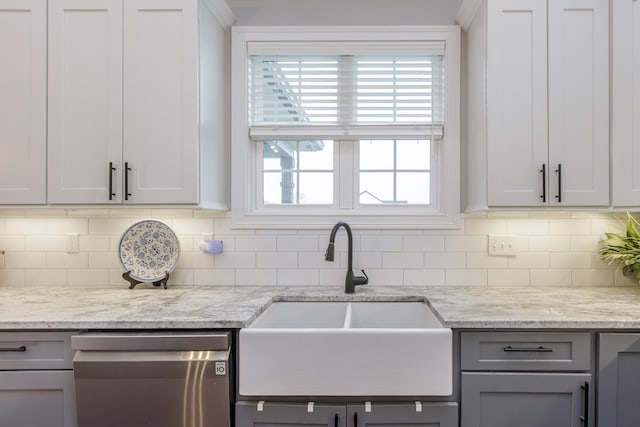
177 379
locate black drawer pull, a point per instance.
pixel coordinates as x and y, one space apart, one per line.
585 417
539 349
21 349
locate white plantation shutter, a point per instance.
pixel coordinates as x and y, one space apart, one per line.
347 95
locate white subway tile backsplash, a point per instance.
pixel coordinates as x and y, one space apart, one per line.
508 277
257 277
67 225
25 260
552 249
423 243
253 243
380 243
38 276
431 277
445 260
87 277
482 260
528 227
549 243
11 243
24 226
530 260
465 244
384 277
193 226
571 227
592 277
70 261
466 278
298 277
46 243
550 277
277 260
297 243
12 277
399 260
112 226
570 261
106 260
196 260
217 277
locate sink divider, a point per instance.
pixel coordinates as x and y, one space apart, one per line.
347 317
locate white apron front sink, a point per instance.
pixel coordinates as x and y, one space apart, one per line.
346 349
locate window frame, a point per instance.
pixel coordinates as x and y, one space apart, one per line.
248 212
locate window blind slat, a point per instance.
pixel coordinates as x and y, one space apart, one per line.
288 90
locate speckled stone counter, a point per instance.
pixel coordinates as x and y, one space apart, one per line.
235 307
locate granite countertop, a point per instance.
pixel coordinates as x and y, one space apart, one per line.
235 307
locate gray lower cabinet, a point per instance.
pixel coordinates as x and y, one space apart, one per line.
619 380
37 399
506 399
274 414
526 379
36 380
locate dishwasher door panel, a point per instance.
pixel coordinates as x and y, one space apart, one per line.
152 388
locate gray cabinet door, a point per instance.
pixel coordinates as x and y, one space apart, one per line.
37 399
525 400
289 414
443 414
618 384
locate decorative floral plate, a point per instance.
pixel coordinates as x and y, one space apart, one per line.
149 249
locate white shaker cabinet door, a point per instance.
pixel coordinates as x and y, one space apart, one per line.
579 102
161 101
626 102
516 101
85 100
23 97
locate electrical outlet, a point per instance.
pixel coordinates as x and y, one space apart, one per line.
73 243
502 244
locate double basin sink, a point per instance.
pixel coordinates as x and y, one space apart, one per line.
346 349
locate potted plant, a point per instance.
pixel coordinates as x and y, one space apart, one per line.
624 249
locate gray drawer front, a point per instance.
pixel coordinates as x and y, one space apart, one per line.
525 351
35 350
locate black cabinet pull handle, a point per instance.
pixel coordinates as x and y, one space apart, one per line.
585 417
335 420
543 171
355 419
559 172
539 349
20 349
126 180
111 169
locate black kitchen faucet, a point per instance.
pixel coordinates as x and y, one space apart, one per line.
350 281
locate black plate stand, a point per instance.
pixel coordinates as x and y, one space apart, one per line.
134 282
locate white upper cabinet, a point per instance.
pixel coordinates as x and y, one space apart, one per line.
123 101
85 100
538 83
626 102
23 101
161 100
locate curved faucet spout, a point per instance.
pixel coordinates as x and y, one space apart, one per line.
351 281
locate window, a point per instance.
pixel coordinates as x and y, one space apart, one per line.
335 123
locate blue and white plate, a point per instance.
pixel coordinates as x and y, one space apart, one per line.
149 249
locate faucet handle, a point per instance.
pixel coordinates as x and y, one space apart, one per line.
360 280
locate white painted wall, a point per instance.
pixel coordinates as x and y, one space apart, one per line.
344 12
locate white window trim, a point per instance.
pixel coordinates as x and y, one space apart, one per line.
244 207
